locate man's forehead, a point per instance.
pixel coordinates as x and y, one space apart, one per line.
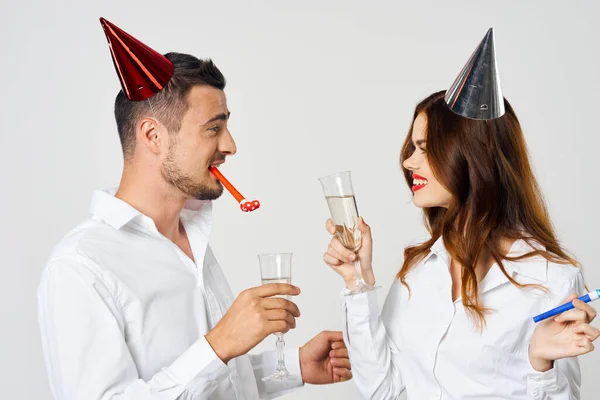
205 102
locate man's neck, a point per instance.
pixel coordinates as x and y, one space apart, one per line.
153 197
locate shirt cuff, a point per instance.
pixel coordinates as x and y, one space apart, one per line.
200 358
541 382
362 305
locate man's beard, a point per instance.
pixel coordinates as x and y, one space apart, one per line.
195 190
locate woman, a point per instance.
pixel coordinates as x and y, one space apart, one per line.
457 322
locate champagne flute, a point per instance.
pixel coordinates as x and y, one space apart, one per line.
344 214
277 268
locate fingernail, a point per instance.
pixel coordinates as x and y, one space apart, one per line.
352 257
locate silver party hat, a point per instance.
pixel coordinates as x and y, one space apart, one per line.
476 92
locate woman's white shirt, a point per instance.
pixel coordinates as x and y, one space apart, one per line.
428 345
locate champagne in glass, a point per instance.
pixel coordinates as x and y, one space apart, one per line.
339 194
345 216
277 268
277 280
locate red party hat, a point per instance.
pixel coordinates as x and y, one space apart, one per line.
143 72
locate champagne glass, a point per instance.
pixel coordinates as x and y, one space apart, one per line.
344 214
277 268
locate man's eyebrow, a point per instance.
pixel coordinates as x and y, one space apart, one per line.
219 117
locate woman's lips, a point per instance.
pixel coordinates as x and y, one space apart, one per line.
419 182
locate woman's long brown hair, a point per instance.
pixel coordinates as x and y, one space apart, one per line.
486 168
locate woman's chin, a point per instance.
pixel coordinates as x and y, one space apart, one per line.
420 202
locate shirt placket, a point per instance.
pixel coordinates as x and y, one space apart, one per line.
448 314
148 225
216 310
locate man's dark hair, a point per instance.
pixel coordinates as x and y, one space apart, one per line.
170 103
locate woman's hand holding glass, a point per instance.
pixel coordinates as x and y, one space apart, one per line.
341 260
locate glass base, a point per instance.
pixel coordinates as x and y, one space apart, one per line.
361 288
281 380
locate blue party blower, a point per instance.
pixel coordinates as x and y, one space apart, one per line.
586 298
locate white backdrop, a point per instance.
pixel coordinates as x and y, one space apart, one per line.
314 87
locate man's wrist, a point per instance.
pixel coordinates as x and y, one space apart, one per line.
213 339
301 361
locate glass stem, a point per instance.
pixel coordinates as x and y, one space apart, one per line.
358 268
280 357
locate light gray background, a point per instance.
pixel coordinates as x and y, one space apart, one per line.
315 87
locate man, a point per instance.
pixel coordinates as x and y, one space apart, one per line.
132 303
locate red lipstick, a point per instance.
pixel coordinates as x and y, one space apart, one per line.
418 186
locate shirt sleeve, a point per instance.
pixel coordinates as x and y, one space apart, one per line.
563 381
264 364
374 357
86 355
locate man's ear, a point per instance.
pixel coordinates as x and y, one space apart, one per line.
148 134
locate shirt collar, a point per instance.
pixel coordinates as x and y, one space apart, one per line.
535 267
438 249
438 246
118 213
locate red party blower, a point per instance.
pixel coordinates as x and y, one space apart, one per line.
245 205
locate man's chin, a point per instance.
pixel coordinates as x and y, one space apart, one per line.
210 193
